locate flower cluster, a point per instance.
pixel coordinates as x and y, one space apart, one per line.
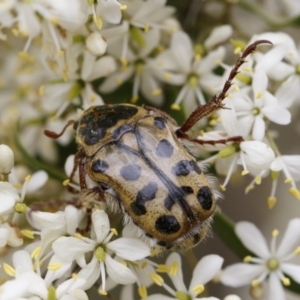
60 57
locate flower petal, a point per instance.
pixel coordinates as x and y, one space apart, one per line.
259 127
69 248
276 291
182 50
240 274
101 224
292 270
118 272
9 196
252 239
290 240
277 114
178 278
129 249
205 270
218 35
257 154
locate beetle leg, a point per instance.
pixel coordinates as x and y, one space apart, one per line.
216 102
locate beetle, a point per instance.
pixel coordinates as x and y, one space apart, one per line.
135 158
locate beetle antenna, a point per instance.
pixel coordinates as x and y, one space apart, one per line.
54 135
216 102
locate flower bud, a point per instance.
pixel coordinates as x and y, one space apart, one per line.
6 159
96 44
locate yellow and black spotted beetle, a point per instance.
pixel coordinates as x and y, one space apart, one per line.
134 157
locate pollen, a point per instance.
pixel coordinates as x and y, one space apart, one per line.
174 269
247 259
123 7
285 281
162 268
271 201
27 233
167 76
156 92
223 188
275 233
134 99
36 253
258 95
27 178
295 193
26 57
146 27
175 106
66 182
182 296
54 266
288 180
102 292
21 208
142 290
237 50
249 188
297 251
9 270
100 254
78 235
255 283
198 289
98 21
258 179
157 279
41 90
123 61
114 231
273 264
245 172
119 81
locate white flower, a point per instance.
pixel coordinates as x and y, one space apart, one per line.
36 285
180 65
252 109
289 165
72 248
96 44
204 271
254 156
270 264
6 159
136 62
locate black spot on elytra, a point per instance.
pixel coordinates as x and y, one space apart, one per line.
101 118
169 202
99 166
147 193
164 149
160 122
184 167
167 224
117 133
187 189
131 172
204 197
